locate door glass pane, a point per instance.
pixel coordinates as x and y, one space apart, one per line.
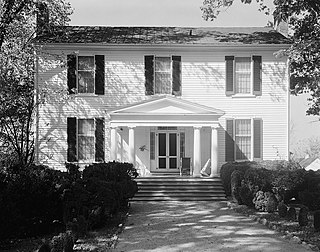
162 163
172 163
173 144
182 144
162 144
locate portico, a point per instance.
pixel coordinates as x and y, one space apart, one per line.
172 128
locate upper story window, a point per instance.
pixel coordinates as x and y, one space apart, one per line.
86 74
243 75
86 70
162 75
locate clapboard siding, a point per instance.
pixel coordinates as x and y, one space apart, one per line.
203 82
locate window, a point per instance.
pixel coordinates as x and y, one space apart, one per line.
85 138
163 75
243 139
243 75
86 74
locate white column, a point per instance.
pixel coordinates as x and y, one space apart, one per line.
132 152
214 151
114 143
196 151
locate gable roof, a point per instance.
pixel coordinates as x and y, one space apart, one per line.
166 105
162 35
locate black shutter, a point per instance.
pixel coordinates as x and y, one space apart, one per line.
229 75
99 145
99 75
257 138
257 68
72 139
72 77
176 75
149 74
229 140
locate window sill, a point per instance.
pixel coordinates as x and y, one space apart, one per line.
243 96
85 95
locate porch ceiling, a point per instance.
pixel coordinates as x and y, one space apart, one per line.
165 111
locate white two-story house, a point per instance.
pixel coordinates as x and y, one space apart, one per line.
152 95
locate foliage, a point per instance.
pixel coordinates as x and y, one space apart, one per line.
303 20
292 215
287 184
17 66
303 217
246 195
316 220
282 209
236 178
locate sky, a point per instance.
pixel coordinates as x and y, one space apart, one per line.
187 13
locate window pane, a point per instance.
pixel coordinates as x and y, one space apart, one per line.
86 147
86 127
172 144
163 83
152 145
162 144
85 82
243 75
162 64
182 144
243 139
85 63
162 163
172 163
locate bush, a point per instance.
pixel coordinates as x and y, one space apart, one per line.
227 169
246 195
311 199
236 178
316 220
282 210
271 202
292 215
288 183
303 217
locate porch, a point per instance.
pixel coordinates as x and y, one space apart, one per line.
157 134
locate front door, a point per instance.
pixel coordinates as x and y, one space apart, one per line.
167 151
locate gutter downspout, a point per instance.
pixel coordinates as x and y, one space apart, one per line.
36 97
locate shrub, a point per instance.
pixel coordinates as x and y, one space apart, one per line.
259 201
258 179
246 195
311 199
288 183
303 217
292 215
316 220
236 178
282 209
227 169
271 202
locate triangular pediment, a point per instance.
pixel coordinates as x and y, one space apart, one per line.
167 105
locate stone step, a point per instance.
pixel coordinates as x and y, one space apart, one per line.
162 188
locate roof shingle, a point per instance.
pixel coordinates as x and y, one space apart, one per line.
162 35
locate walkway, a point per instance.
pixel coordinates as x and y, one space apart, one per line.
196 226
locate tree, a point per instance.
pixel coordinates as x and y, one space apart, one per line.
18 27
302 17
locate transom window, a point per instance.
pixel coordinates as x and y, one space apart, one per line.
86 74
163 75
243 139
243 75
86 140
